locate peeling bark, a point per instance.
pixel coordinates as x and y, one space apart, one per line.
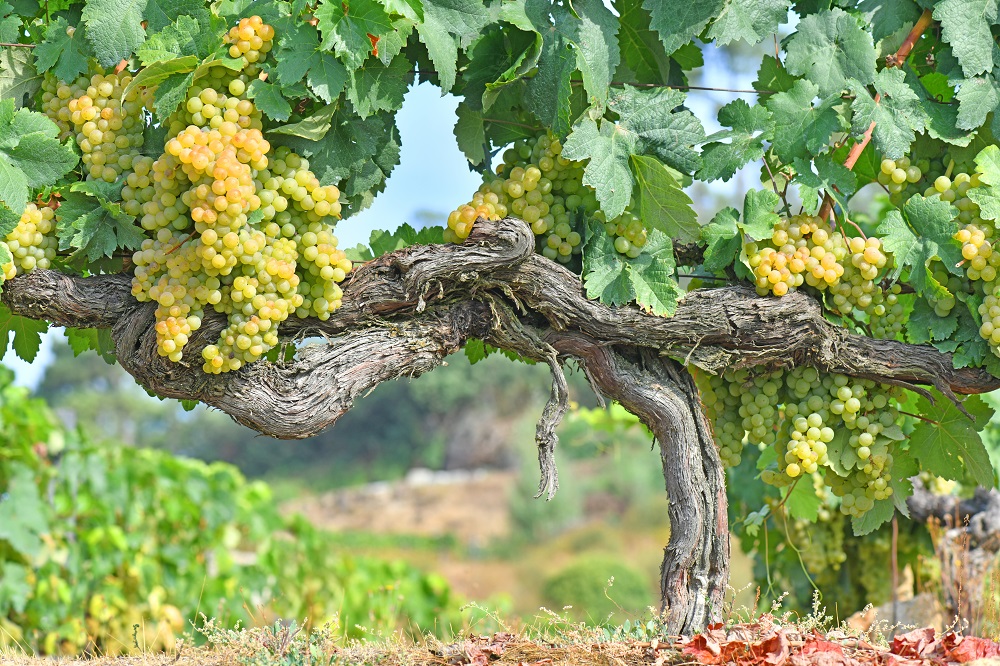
405 312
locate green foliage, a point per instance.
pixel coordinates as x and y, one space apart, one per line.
587 586
30 154
96 538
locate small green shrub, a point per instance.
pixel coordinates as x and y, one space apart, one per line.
584 586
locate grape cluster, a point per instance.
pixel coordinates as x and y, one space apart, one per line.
32 243
800 412
900 175
108 125
235 226
628 231
251 39
55 99
546 190
744 409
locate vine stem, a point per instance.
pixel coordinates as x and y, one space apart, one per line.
895 60
17 46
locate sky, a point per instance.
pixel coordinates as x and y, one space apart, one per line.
433 175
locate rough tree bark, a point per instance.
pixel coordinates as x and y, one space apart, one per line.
405 312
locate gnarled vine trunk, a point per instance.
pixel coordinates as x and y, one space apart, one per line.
405 312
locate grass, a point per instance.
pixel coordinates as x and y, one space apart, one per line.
549 639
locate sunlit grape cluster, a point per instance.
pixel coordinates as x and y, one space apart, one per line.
236 226
897 175
251 39
55 99
538 185
32 243
800 412
108 125
801 251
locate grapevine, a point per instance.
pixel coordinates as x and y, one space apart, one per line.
834 319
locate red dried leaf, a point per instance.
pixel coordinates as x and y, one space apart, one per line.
821 652
919 644
970 648
772 651
374 40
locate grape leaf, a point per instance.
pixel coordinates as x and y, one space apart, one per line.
829 176
977 96
548 91
887 17
749 20
617 280
604 271
161 13
608 146
30 154
948 444
651 116
268 98
114 28
641 49
327 76
594 34
652 276
470 134
924 325
499 58
751 126
759 217
15 587
186 37
22 511
10 24
678 21
802 501
898 115
830 48
81 339
91 221
313 127
920 232
772 77
18 79
65 54
296 53
156 73
723 240
988 165
965 24
663 204
805 129
447 23
878 516
384 242
171 91
345 27
375 87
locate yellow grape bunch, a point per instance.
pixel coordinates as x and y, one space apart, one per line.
32 243
234 224
537 184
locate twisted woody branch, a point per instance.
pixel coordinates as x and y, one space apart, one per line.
405 312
